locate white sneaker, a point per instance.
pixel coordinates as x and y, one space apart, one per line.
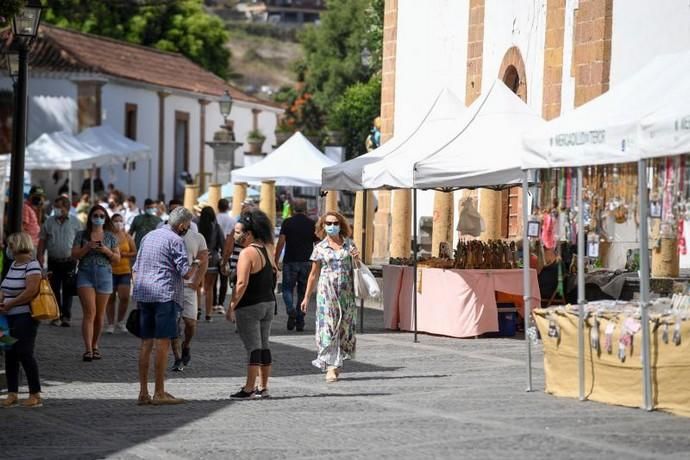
110 329
121 327
219 309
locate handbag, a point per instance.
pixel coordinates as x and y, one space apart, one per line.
132 324
365 283
44 305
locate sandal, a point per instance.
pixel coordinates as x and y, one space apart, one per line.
144 400
96 354
87 356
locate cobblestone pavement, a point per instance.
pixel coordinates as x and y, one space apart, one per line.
440 398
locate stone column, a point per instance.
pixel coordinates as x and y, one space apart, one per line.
400 226
331 201
214 196
191 193
490 209
359 224
443 221
268 199
239 194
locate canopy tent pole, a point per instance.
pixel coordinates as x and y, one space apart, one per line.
414 259
580 285
129 177
526 279
150 176
70 184
363 255
644 284
93 186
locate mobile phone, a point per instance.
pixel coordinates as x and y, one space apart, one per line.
99 243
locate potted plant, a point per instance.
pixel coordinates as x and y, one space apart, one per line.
255 139
284 129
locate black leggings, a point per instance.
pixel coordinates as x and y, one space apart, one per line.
24 329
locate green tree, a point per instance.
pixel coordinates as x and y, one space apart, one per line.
170 25
8 8
354 113
345 87
333 49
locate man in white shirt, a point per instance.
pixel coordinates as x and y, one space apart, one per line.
196 250
131 211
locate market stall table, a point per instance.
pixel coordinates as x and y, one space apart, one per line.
455 303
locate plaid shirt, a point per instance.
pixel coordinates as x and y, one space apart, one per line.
161 264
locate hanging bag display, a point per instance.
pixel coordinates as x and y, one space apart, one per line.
45 306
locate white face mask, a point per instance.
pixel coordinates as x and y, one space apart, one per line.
126 205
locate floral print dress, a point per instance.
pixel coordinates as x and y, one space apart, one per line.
336 311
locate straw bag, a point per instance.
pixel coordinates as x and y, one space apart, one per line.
44 305
365 283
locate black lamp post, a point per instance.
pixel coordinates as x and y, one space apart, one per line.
24 28
225 105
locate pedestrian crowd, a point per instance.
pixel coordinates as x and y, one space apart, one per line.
167 259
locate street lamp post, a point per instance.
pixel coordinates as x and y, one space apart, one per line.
24 27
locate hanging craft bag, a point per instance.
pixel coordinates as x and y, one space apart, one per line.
45 306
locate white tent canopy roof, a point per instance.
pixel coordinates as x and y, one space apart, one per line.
348 175
297 163
395 170
61 150
666 131
606 129
487 147
106 141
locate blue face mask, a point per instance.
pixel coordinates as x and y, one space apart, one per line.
98 221
333 230
57 212
151 211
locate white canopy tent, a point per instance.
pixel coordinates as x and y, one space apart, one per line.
120 149
297 162
666 131
628 123
487 149
440 126
349 174
62 151
606 130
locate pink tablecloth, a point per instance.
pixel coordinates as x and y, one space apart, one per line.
456 303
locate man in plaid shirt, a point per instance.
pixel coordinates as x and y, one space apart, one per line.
159 274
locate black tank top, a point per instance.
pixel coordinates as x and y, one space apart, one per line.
260 284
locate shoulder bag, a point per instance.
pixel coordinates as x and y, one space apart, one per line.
45 306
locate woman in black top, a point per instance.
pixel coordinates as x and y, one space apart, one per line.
209 228
253 299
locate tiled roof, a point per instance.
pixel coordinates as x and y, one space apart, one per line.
58 49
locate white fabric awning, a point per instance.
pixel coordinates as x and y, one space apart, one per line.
607 129
62 151
295 163
395 170
108 142
487 148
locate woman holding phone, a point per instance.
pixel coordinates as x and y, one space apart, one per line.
96 249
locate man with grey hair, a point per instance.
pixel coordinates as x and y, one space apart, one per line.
297 236
159 274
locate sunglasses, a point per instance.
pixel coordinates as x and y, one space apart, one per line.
329 223
99 216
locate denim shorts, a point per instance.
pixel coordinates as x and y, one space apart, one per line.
122 280
158 320
98 277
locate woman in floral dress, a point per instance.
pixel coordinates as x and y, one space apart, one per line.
332 264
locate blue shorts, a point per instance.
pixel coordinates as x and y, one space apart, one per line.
158 320
98 277
122 280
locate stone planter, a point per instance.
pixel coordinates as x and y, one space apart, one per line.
282 136
255 146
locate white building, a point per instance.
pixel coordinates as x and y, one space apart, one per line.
158 98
